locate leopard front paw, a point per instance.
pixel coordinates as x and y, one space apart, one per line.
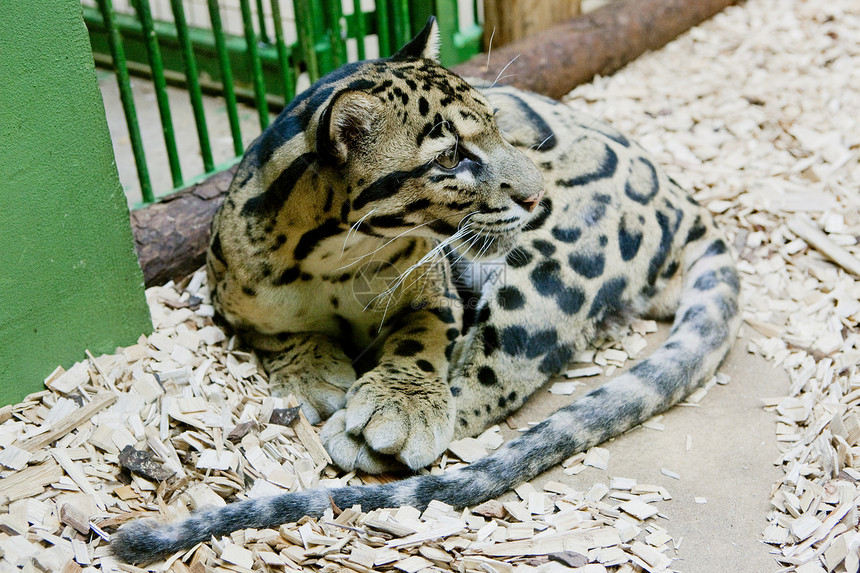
318 397
351 452
410 420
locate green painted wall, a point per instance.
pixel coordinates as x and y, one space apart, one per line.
69 278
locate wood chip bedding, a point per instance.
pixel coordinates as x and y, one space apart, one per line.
757 111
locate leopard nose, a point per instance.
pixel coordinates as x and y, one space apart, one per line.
530 203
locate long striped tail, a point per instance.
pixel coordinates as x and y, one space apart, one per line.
703 331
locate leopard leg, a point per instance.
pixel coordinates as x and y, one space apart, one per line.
401 411
311 367
489 387
509 352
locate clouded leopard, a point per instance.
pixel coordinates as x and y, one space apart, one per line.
412 256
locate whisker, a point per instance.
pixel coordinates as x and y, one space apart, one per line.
406 232
539 145
489 52
354 228
503 70
490 49
432 255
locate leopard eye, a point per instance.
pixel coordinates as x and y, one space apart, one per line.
450 159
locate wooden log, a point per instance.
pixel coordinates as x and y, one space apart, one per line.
509 20
597 43
172 236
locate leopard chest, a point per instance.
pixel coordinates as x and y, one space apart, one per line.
345 288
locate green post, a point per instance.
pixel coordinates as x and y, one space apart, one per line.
69 278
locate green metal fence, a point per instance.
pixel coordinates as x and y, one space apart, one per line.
259 52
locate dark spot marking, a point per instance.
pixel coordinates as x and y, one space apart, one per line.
696 231
517 341
510 298
587 265
387 186
408 347
289 275
518 257
425 365
642 183
487 376
388 221
270 201
608 298
566 234
217 250
608 165
544 247
443 227
662 250
547 281
670 271
312 238
490 337
718 247
556 360
417 205
628 241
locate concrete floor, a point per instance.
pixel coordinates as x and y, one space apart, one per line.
730 464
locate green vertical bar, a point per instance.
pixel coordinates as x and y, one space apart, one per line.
420 10
322 40
382 28
336 35
154 54
283 56
305 30
255 65
118 55
226 76
402 29
360 31
261 19
194 92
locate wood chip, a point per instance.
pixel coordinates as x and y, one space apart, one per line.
597 458
61 428
638 509
584 372
467 449
805 229
237 556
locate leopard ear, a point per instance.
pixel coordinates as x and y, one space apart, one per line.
346 123
424 45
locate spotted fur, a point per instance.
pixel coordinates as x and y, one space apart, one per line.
390 196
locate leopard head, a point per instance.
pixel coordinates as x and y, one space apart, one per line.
418 151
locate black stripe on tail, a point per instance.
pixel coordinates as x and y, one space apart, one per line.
704 328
